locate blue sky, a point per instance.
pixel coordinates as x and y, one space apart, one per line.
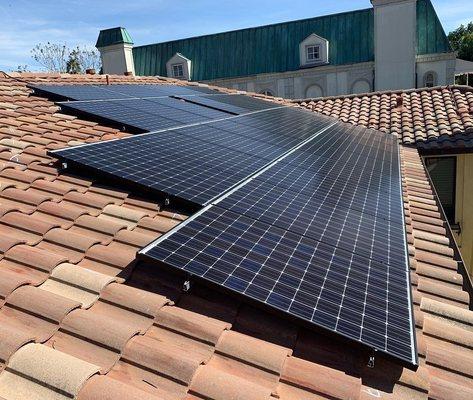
28 22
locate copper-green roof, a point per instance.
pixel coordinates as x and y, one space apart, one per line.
108 37
275 48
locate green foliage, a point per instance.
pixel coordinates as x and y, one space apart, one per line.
461 40
73 64
58 57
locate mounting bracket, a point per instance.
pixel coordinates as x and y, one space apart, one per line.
186 286
371 360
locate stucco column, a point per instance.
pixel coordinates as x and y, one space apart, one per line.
394 44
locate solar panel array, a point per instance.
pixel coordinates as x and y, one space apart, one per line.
300 213
198 163
319 235
145 115
148 108
118 91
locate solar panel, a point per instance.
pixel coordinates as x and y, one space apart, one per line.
338 205
198 163
119 91
329 248
144 114
77 92
153 90
232 103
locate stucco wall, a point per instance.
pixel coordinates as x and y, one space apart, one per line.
324 80
394 43
464 207
117 59
443 65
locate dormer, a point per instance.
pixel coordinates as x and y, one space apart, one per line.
179 67
313 50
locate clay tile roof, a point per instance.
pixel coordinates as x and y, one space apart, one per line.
432 118
81 318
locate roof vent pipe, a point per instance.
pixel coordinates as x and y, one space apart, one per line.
399 101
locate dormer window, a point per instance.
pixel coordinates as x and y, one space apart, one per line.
177 71
313 53
179 67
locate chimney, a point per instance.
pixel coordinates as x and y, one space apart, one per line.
394 44
116 51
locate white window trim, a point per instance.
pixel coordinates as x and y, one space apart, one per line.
312 60
177 65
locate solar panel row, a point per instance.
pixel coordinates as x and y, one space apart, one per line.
198 163
319 283
328 246
145 114
108 92
148 108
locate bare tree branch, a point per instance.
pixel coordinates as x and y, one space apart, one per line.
58 57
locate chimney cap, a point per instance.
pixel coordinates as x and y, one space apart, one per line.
109 37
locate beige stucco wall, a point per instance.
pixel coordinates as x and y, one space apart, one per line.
443 65
328 80
464 208
394 43
117 59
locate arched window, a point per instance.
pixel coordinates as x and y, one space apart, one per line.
267 92
360 86
430 79
313 91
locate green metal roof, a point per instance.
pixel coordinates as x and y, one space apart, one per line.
108 37
431 37
275 48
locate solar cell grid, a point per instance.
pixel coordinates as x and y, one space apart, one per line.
232 103
78 92
107 92
197 162
362 233
147 115
323 284
169 162
157 90
319 235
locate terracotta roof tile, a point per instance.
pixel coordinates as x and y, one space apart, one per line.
188 323
213 383
253 351
314 378
425 115
39 372
112 259
100 309
97 228
76 283
71 245
105 388
35 311
95 335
